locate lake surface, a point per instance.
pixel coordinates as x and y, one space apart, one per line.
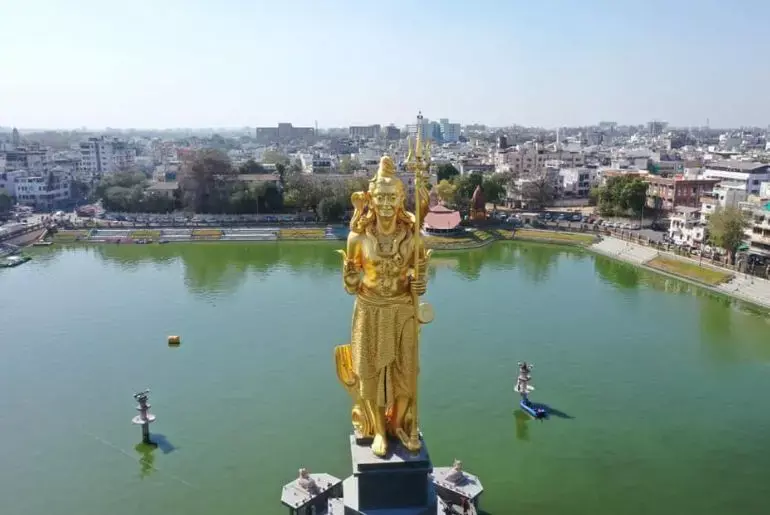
662 387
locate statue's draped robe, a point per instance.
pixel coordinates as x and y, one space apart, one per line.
383 335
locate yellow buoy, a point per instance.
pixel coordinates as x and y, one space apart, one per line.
174 340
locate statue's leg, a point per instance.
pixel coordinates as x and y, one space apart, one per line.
399 414
377 413
405 373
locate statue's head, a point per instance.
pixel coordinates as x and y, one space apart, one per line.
303 473
457 465
386 191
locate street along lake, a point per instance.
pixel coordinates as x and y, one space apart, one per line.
660 386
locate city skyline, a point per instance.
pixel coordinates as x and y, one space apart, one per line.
238 64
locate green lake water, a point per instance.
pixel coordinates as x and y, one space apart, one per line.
662 387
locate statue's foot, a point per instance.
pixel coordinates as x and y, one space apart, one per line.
380 445
412 444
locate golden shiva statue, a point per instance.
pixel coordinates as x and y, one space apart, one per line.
385 267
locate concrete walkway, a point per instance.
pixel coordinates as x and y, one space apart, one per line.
748 288
627 251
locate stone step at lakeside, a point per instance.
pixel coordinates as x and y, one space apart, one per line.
249 237
109 234
625 250
250 230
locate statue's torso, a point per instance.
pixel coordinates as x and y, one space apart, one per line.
385 261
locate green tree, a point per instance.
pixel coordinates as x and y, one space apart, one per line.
6 202
621 194
348 165
593 197
494 189
446 171
538 190
446 191
79 190
280 169
155 202
120 179
296 166
203 180
251 167
303 191
271 200
274 157
727 229
331 209
466 184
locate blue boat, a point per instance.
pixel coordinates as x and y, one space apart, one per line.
534 410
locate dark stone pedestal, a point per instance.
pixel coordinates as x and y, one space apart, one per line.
399 484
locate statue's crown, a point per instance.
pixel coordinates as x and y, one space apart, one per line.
387 168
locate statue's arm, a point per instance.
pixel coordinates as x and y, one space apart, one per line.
351 264
419 269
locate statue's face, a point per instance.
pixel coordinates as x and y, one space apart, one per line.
386 199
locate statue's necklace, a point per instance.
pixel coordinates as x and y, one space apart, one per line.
386 244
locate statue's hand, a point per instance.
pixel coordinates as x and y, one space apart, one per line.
358 199
418 286
351 276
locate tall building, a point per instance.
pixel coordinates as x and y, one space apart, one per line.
423 127
656 128
283 133
392 133
103 155
450 132
365 131
15 138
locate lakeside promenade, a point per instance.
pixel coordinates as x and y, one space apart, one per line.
744 287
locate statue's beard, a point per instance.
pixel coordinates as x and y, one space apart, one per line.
386 217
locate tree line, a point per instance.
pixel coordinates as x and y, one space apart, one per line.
621 195
456 190
209 183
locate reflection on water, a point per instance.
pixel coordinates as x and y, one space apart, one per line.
537 260
718 316
146 454
617 273
522 421
223 267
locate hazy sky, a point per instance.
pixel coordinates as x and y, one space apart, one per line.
216 63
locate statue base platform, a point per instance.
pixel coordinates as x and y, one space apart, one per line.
398 484
402 483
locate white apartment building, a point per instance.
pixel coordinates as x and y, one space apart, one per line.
8 180
101 155
686 228
758 233
764 190
45 192
721 197
744 175
528 160
577 182
29 160
315 164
